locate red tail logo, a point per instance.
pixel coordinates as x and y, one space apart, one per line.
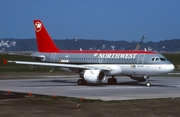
37 26
44 41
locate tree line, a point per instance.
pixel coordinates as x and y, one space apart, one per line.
172 45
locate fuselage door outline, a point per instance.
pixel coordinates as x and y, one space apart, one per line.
140 60
100 59
52 58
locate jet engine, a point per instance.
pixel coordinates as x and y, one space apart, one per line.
93 76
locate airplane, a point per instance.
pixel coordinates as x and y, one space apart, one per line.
94 66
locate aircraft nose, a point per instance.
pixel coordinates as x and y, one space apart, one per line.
170 67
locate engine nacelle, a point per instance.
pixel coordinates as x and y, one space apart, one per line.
93 76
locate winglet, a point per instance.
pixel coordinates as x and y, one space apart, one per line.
4 61
44 41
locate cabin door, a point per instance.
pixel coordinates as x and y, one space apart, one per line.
140 60
52 58
100 60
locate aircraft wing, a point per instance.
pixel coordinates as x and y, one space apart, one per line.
61 65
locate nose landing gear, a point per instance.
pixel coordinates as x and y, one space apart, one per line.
148 84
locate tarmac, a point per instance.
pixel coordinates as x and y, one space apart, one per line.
125 89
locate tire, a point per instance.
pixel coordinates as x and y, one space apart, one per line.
148 84
80 82
112 81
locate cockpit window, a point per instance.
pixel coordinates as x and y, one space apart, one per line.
162 59
152 59
157 59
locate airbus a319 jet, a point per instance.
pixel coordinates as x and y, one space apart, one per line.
93 66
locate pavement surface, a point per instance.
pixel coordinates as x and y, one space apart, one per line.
125 89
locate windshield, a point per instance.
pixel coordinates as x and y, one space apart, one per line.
157 59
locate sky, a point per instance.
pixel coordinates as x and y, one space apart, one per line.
92 19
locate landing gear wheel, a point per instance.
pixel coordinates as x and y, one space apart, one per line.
112 81
82 82
148 84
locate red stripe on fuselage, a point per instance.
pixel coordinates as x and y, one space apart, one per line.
106 51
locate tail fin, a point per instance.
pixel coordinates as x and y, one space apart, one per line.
44 41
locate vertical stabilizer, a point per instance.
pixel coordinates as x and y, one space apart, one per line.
44 41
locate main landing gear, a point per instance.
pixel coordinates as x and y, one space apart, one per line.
112 81
82 82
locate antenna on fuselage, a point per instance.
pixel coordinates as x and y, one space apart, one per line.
140 42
